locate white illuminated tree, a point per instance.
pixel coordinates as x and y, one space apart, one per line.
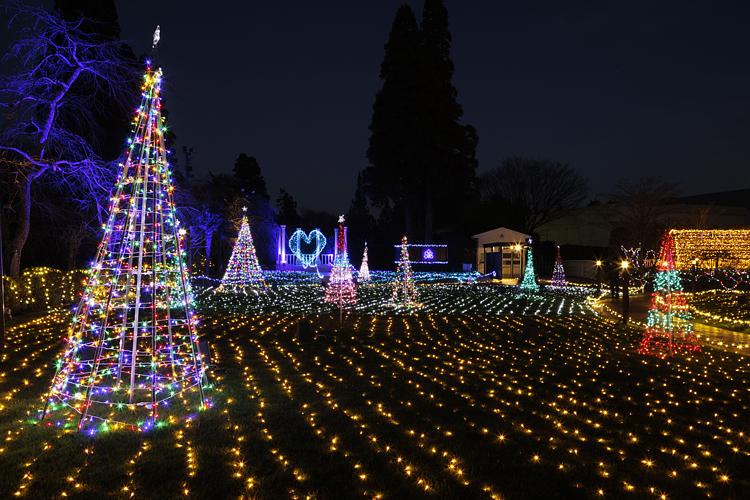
364 270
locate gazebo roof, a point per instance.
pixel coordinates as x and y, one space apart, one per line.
501 235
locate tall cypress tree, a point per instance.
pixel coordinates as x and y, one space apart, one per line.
395 125
286 207
448 166
420 153
249 176
360 220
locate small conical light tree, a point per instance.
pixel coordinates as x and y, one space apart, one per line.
132 358
529 284
340 290
404 290
669 327
364 270
558 271
243 269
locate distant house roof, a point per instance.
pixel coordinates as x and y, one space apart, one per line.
593 225
501 235
736 198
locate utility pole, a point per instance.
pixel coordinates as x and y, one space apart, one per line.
625 292
2 286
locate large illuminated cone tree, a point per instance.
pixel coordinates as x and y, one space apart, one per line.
558 271
132 356
243 269
404 289
528 283
364 269
340 289
669 326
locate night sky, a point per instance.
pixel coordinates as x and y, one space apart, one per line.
637 88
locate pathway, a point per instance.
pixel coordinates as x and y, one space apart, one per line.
719 338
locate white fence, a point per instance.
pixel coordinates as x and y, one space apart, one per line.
325 259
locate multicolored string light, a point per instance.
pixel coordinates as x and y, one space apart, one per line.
404 292
558 271
340 290
133 343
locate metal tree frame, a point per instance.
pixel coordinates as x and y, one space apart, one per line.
133 343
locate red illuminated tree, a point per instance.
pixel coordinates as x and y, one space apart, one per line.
340 290
669 327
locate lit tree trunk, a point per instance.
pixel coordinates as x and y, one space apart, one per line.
24 221
53 106
24 224
625 297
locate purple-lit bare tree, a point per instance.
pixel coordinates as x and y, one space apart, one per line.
200 213
56 65
204 224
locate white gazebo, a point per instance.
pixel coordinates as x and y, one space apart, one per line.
501 250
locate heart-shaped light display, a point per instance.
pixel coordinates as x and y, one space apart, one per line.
307 247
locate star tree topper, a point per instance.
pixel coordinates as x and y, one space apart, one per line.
157 37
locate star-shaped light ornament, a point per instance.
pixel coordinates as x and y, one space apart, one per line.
341 219
244 209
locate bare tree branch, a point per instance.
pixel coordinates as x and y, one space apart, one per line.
541 190
58 69
641 205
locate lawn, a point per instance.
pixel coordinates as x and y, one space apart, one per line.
435 404
728 309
